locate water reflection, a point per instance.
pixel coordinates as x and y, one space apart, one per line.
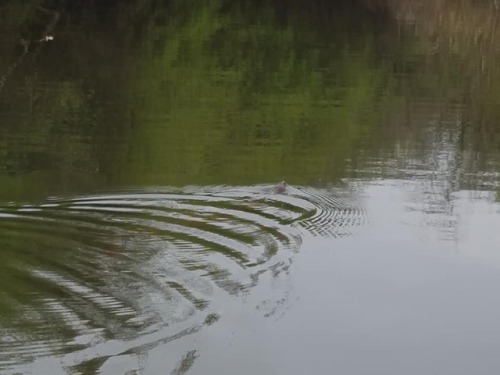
130 266
156 106
392 299
340 98
234 94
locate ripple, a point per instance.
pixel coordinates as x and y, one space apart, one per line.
337 213
84 272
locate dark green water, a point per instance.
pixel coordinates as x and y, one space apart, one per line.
141 231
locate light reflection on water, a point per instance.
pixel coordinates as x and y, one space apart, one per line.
183 278
118 273
398 297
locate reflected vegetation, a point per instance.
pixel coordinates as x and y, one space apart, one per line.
183 88
235 93
126 98
204 97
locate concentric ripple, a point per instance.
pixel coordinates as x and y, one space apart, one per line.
136 268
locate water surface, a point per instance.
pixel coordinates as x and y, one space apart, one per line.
140 227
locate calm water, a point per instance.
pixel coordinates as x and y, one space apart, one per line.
141 227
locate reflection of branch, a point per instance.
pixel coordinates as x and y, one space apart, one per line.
13 67
44 37
45 10
51 25
185 364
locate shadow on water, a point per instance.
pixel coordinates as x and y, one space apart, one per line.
92 277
